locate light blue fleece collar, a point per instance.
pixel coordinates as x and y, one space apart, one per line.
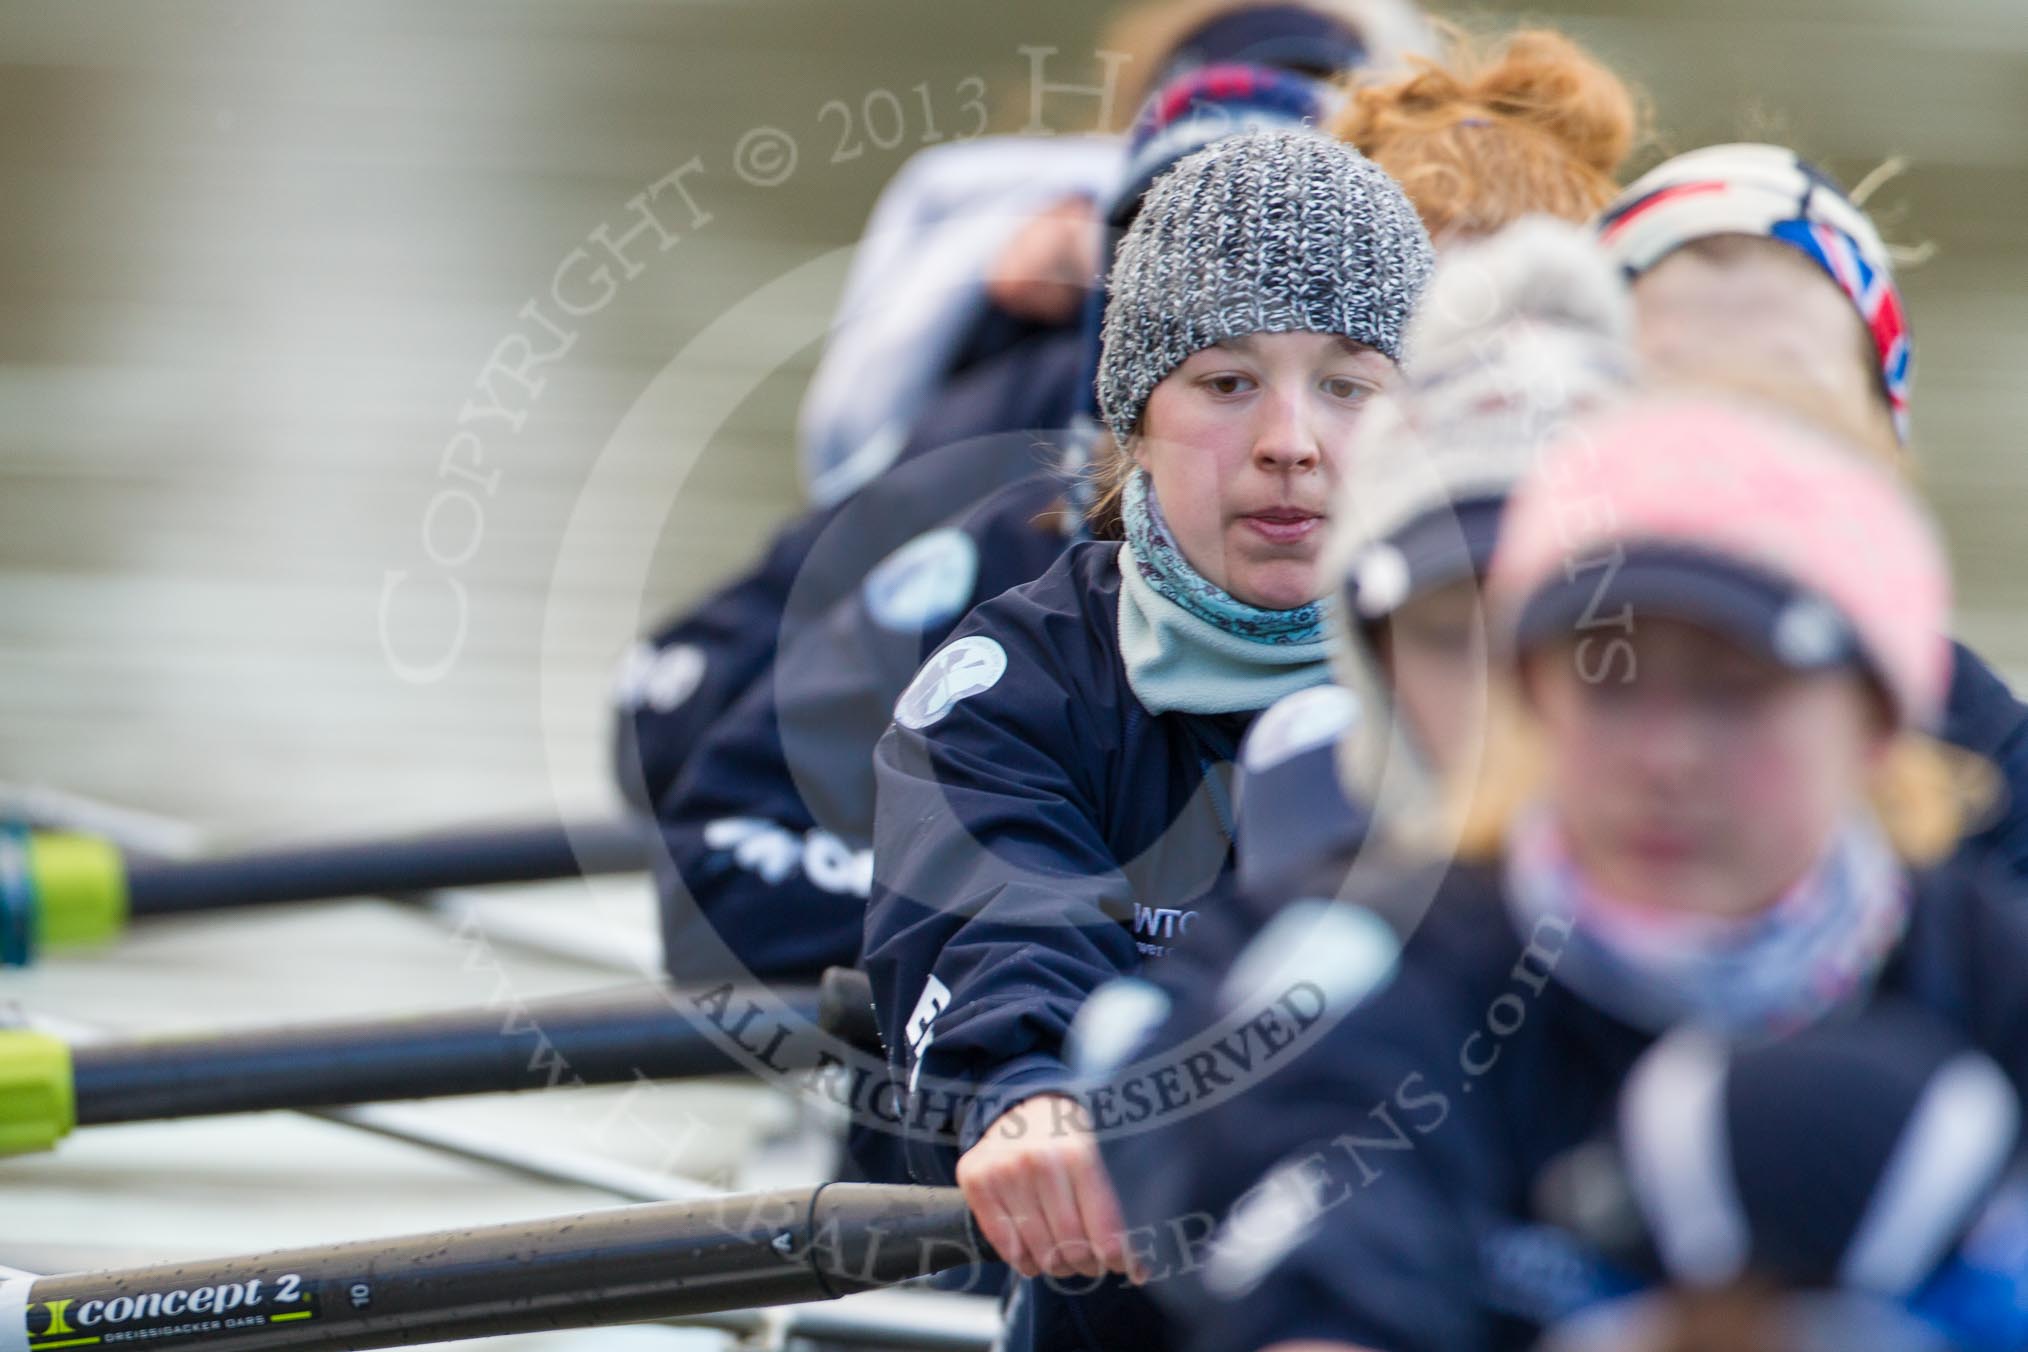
1179 662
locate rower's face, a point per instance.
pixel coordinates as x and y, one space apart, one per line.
1243 442
1695 776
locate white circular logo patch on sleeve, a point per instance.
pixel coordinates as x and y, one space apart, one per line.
926 582
972 665
674 678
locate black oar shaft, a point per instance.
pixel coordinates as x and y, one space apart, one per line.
604 1267
651 1031
476 858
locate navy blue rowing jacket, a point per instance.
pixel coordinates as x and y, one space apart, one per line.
1983 716
970 442
768 833
1037 832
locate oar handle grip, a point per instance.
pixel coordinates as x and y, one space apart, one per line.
57 889
38 1091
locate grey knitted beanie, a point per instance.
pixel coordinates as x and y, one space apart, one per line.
1268 232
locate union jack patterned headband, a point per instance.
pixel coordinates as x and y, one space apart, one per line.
1765 190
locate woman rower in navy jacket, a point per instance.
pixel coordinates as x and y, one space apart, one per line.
767 835
1051 801
1750 257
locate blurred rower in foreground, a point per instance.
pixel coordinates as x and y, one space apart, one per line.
1706 799
1517 336
1747 258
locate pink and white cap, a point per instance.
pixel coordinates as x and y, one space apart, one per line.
1749 522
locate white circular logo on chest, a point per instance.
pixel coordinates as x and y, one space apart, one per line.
971 666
